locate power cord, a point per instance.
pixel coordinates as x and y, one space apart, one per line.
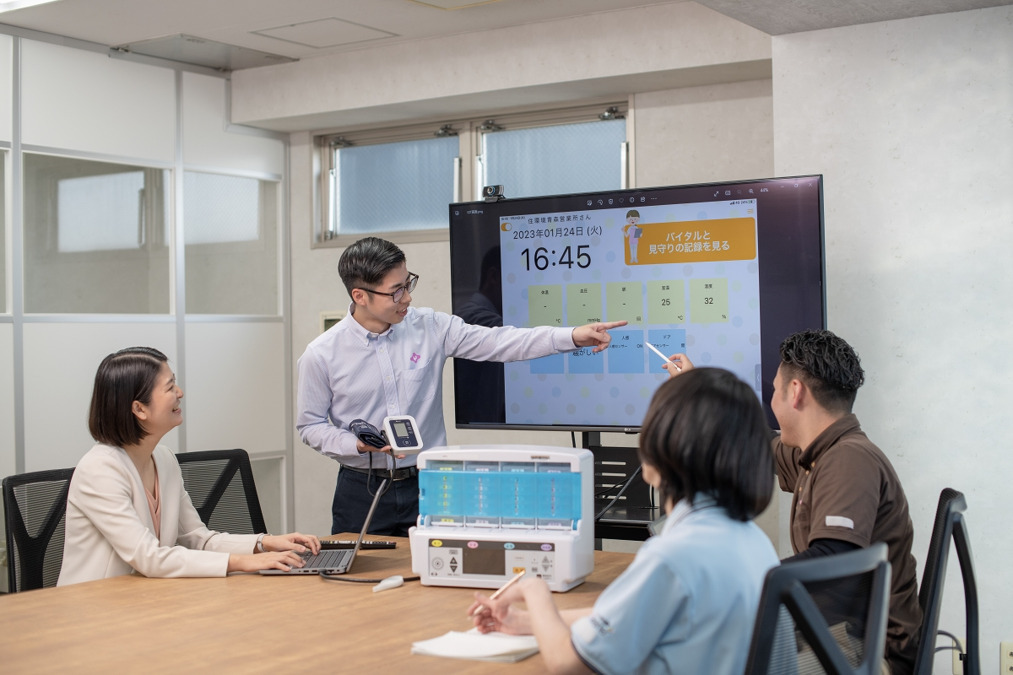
619 494
369 476
955 647
327 576
602 493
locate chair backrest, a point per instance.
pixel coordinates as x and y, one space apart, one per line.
220 484
949 524
35 513
825 615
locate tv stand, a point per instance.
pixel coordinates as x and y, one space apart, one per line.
629 517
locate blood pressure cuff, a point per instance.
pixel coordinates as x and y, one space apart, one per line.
367 433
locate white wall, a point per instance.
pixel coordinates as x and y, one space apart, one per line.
912 124
85 101
7 466
60 361
612 54
6 88
703 134
210 141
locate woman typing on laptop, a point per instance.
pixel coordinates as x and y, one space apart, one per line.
127 509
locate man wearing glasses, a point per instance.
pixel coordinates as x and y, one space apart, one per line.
386 358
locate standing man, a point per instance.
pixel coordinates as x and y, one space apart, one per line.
845 492
386 358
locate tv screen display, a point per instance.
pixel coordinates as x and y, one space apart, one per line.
721 271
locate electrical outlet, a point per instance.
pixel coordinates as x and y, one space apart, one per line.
1006 657
958 649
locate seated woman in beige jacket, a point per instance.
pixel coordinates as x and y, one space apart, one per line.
127 510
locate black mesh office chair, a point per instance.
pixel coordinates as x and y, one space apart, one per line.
220 484
949 524
826 615
35 513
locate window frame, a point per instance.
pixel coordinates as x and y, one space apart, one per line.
270 188
469 132
47 240
265 184
40 233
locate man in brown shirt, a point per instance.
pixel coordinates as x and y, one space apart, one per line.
845 493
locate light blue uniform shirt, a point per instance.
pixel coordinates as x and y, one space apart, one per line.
351 373
687 602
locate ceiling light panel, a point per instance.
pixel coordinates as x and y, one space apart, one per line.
325 33
454 4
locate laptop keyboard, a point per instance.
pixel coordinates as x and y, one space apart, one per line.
326 559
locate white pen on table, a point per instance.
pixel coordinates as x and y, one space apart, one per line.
499 592
658 352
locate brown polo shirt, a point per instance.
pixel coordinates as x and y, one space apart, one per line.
843 487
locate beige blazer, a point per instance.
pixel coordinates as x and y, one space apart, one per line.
109 529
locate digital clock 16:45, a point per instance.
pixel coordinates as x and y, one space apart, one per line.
543 258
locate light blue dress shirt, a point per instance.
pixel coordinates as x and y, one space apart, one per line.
351 373
687 602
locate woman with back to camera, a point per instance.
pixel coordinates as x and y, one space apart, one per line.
127 509
687 602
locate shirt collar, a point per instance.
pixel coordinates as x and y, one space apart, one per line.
826 440
683 509
360 331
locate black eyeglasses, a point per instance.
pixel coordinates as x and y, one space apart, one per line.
398 294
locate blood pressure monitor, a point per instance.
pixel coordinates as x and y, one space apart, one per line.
402 434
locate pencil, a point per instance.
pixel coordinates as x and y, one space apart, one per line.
499 591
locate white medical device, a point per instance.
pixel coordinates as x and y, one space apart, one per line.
402 434
486 512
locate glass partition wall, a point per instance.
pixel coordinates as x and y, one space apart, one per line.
123 226
96 237
4 308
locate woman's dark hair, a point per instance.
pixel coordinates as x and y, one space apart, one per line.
124 377
705 433
365 263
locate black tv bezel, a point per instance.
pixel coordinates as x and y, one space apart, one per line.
772 274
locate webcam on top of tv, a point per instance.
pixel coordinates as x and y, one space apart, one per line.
493 193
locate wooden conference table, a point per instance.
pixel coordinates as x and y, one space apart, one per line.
248 622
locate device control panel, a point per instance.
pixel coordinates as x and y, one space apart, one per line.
489 560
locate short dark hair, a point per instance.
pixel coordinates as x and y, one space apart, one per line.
633 213
705 433
367 261
827 365
123 377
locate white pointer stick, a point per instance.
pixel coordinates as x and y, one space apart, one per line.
658 352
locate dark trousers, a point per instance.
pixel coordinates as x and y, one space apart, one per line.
397 511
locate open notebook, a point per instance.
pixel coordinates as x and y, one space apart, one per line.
482 647
336 561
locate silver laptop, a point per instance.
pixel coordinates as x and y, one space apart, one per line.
335 561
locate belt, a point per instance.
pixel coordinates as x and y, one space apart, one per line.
397 474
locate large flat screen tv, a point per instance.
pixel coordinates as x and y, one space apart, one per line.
720 271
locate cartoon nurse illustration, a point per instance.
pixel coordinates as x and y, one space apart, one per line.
632 232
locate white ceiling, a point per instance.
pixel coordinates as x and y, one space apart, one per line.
233 34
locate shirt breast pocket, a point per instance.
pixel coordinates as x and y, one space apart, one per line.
421 383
